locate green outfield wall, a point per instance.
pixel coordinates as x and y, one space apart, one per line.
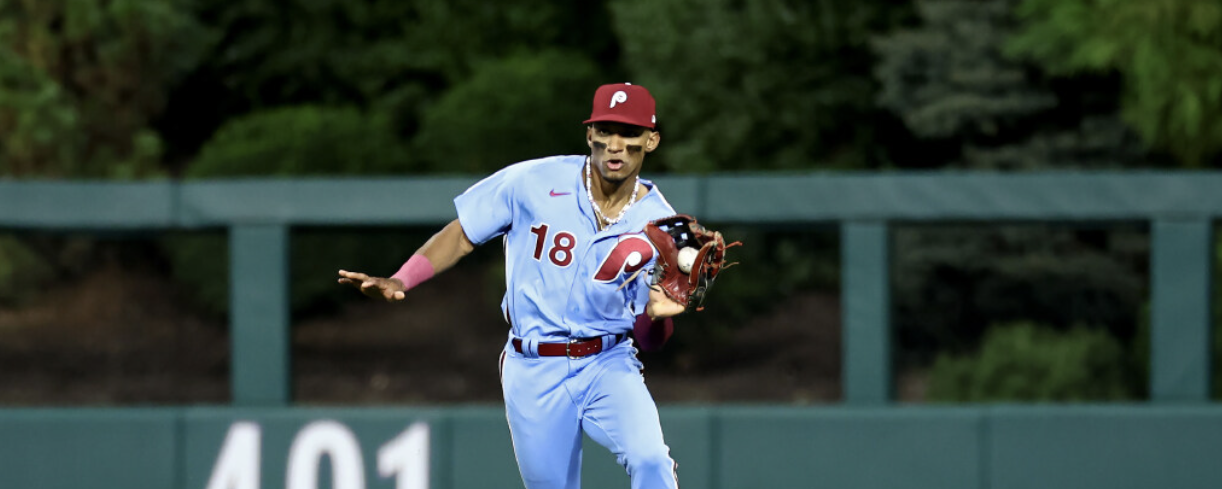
264 441
722 447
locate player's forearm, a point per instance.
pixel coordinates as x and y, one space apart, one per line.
437 254
446 247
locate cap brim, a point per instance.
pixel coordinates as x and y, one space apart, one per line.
619 119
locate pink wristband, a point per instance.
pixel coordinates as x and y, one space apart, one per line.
417 269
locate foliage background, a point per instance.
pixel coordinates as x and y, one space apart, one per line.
138 89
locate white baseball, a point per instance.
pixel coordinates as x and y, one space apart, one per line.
686 258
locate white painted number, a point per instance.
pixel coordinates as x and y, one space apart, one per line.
406 457
237 467
325 438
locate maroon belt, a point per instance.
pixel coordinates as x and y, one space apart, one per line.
575 348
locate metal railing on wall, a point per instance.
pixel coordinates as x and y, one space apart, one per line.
1180 209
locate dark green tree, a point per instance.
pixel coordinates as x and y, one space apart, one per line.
950 82
512 109
1168 54
970 106
387 56
768 84
302 141
81 81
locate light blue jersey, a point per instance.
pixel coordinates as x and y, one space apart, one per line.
564 279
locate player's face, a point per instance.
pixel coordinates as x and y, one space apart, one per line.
618 150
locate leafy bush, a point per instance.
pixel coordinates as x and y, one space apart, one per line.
295 141
513 109
1166 51
760 85
1023 361
302 141
950 281
201 263
949 82
80 83
21 271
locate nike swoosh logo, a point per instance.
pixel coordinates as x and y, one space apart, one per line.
554 193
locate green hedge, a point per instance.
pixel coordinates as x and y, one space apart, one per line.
22 271
296 141
1023 361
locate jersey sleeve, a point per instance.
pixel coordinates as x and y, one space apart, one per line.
486 209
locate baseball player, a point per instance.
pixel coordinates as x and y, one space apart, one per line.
577 278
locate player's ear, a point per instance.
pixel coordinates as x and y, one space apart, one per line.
655 138
590 137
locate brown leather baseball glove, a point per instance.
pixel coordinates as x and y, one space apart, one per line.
689 258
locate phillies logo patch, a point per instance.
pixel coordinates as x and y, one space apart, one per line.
619 98
630 254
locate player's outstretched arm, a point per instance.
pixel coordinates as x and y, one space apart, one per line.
437 254
388 289
446 247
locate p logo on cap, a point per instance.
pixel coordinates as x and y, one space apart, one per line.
625 103
620 96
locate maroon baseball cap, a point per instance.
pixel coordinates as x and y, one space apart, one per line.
623 102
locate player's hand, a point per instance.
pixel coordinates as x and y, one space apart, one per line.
387 289
660 306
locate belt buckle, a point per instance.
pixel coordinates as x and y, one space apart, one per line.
568 352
